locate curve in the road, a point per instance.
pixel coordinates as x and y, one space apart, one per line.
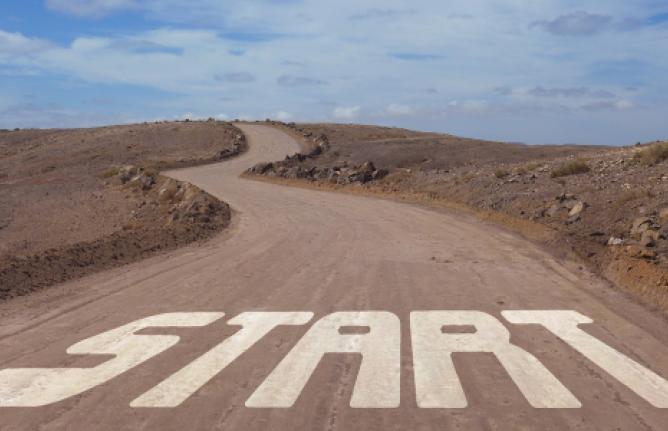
298 250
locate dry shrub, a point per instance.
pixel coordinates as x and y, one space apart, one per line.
630 196
573 167
111 172
653 155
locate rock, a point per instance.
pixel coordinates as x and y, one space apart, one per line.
126 173
143 181
573 219
261 168
315 151
663 232
367 167
168 190
577 209
615 241
379 174
640 225
322 174
649 238
227 153
564 197
363 174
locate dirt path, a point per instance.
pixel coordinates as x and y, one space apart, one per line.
298 250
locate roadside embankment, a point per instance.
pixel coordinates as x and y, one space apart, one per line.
80 201
607 207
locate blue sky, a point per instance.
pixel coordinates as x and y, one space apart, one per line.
538 72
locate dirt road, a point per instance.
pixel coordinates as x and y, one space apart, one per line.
357 275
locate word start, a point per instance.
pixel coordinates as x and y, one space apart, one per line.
435 336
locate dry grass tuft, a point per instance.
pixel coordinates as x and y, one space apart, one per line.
653 155
574 167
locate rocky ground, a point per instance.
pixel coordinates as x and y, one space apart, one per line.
77 201
609 206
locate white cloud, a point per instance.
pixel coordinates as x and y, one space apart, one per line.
91 7
318 60
624 104
346 113
397 110
468 106
283 116
17 44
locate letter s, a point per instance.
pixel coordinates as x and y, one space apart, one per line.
34 387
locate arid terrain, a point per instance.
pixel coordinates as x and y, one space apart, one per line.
78 201
608 206
320 310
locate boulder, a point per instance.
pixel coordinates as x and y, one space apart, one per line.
640 225
126 173
379 174
322 174
261 168
577 209
367 167
142 181
615 241
168 190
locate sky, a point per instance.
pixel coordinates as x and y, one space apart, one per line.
541 71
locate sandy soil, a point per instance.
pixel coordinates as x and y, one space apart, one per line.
293 249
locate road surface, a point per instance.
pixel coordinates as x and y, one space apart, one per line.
307 274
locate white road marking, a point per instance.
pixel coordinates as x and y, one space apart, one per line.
564 324
378 380
34 387
185 382
436 382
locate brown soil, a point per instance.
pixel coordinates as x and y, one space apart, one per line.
64 213
518 186
394 148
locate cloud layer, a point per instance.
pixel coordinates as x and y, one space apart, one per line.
551 71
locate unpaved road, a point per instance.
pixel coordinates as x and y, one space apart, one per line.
301 251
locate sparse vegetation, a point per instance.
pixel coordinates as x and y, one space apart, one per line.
468 177
532 166
630 196
654 154
574 167
501 173
111 172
